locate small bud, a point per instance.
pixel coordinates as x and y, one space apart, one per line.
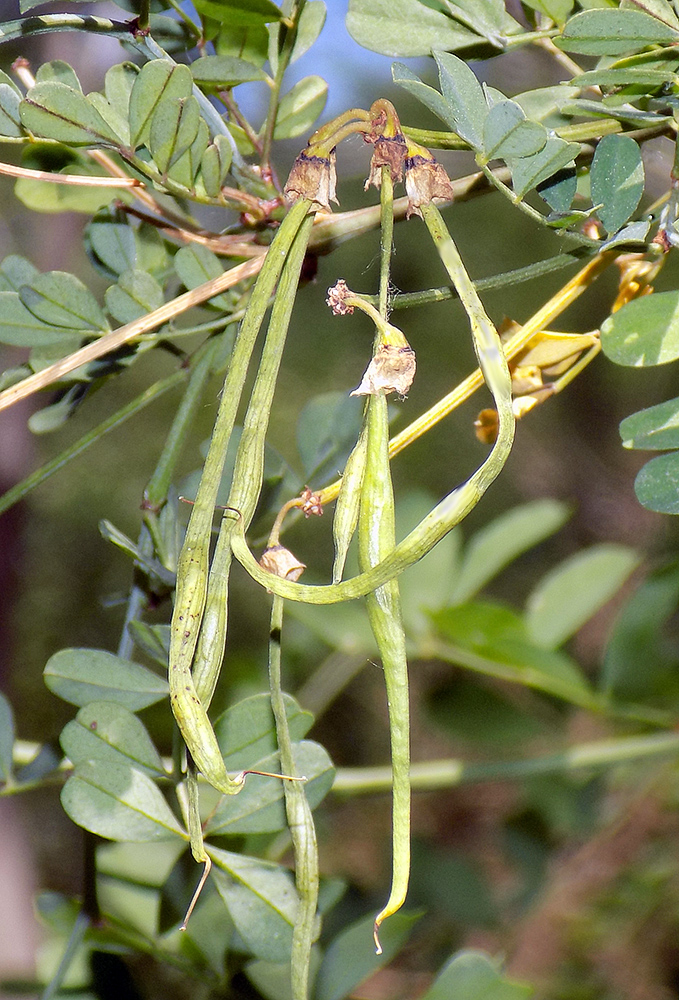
313 177
425 179
388 152
281 562
392 369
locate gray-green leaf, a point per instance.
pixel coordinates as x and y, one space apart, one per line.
105 731
612 32
261 899
463 94
83 675
404 28
473 975
239 11
568 596
617 179
113 244
351 957
654 429
404 77
300 107
136 294
260 807
246 731
158 81
118 802
215 164
644 332
495 546
195 265
309 27
507 132
657 484
59 112
21 328
529 171
6 739
174 126
224 71
61 299
10 114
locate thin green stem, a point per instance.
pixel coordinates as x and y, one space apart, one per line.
191 25
300 821
386 238
143 16
435 774
284 54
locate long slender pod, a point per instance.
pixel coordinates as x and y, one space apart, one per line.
376 536
376 539
248 469
192 572
454 507
300 822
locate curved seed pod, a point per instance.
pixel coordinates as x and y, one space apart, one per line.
193 559
248 470
192 575
453 508
198 734
346 509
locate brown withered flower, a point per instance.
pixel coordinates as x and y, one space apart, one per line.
389 151
392 369
311 503
425 179
281 562
336 299
314 177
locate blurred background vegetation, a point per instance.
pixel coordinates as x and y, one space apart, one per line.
481 852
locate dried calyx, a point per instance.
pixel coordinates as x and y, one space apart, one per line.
313 174
392 368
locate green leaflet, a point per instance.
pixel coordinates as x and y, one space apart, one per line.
83 675
614 32
57 111
617 180
300 107
118 802
159 81
644 332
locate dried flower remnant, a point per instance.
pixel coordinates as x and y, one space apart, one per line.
425 179
392 369
486 426
281 562
387 138
314 177
337 296
312 503
389 151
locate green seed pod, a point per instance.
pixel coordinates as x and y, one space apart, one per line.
348 499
